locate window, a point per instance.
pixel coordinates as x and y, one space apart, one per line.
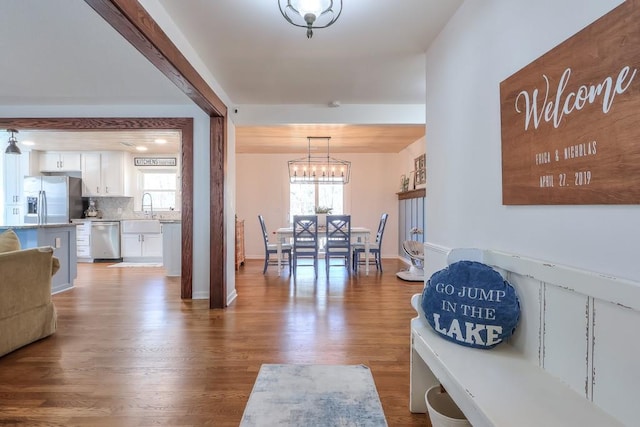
331 196
162 186
304 198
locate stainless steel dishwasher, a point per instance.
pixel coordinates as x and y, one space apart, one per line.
105 240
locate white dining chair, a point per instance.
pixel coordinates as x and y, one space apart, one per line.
305 240
272 249
338 240
374 248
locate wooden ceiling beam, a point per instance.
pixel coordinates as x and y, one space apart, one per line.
133 22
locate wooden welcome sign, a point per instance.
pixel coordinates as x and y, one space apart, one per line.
571 119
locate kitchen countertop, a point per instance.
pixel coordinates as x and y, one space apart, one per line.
28 226
94 220
162 221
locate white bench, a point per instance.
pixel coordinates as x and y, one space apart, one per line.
510 384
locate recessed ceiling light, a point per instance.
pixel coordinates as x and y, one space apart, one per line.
160 141
141 148
28 143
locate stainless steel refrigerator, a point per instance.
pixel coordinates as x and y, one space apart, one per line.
52 199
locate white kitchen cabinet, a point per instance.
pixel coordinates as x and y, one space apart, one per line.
145 245
91 174
103 174
13 215
14 172
130 245
51 161
83 241
15 169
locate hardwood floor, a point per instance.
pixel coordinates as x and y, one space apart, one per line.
129 352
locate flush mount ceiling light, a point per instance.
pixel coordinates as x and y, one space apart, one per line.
319 169
131 145
13 143
310 14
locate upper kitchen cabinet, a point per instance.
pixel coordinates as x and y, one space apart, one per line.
15 169
51 161
103 174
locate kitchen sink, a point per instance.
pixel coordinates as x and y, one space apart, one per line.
140 226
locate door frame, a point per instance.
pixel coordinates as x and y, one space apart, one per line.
137 27
183 124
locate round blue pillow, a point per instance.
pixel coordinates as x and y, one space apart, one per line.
469 303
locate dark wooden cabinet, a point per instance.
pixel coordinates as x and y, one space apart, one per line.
239 243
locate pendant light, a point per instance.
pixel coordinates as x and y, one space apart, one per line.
319 169
13 143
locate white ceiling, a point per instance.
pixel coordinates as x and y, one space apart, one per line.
373 54
134 141
60 52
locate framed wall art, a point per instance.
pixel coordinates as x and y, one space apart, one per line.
569 119
420 173
419 162
421 176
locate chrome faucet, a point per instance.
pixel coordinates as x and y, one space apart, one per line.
150 205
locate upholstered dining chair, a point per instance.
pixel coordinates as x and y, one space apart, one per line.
271 248
374 247
338 244
305 240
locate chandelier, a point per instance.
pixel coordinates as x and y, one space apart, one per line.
310 14
13 143
319 169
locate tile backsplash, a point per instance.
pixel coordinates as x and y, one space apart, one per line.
123 208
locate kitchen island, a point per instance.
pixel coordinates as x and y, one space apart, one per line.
62 238
172 247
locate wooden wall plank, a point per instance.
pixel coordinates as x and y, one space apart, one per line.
570 119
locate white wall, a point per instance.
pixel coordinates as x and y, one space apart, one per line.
345 114
230 208
263 188
484 43
164 20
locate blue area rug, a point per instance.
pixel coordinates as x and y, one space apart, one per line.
314 396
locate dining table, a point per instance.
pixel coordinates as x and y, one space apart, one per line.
358 235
